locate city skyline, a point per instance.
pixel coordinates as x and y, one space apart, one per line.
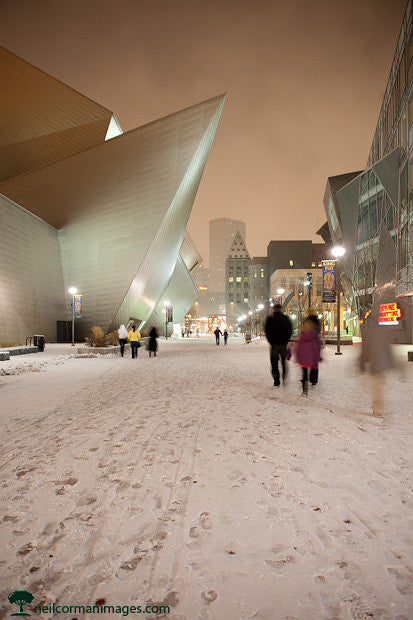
304 89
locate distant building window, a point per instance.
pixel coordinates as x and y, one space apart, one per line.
230 279
320 264
291 263
245 300
238 279
313 264
262 273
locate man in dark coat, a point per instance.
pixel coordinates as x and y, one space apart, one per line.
217 333
278 330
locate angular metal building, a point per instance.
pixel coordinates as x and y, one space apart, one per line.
83 204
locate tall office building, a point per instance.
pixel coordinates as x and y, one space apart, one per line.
222 233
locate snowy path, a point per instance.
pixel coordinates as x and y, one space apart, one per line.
188 480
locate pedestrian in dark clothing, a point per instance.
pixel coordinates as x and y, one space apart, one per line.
307 353
312 316
225 336
217 333
278 330
153 343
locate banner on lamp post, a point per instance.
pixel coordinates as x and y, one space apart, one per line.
329 281
169 317
77 300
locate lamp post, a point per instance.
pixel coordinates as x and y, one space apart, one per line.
165 311
309 283
280 292
258 311
338 251
73 291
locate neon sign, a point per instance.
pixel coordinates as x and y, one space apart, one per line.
202 288
389 314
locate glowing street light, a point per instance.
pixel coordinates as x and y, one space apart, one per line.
73 292
338 251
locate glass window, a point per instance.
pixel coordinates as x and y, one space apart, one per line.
372 180
403 187
291 263
245 300
332 214
238 279
230 279
390 219
313 264
262 273
365 220
363 183
379 206
359 229
402 72
373 216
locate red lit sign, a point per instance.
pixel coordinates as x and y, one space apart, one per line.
389 314
202 288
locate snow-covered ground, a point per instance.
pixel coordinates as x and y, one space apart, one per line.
189 480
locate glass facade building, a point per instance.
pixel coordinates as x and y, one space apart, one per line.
370 212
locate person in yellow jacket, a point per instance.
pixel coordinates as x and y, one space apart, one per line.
134 337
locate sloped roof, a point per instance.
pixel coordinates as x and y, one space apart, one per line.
340 180
42 119
238 248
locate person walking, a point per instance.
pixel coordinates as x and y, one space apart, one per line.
225 336
278 330
153 343
217 333
307 353
123 338
134 337
376 358
313 317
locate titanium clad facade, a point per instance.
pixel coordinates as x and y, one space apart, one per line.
189 253
42 120
31 277
181 294
119 211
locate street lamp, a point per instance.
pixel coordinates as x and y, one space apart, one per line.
338 251
258 310
166 304
73 291
309 283
280 293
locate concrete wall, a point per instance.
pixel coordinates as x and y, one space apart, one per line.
31 278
